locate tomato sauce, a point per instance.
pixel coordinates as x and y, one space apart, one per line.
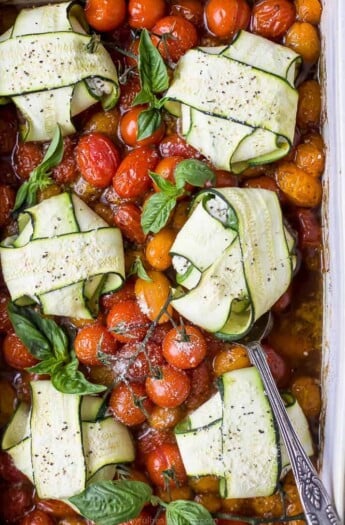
106 165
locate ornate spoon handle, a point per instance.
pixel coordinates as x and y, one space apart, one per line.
317 504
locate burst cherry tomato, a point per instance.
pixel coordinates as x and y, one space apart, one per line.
37 517
105 15
91 338
272 18
173 145
170 389
192 10
127 322
180 35
225 17
132 177
130 404
7 199
16 354
27 156
165 466
184 347
129 129
127 217
145 13
97 159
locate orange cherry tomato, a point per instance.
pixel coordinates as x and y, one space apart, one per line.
225 17
127 323
105 15
130 404
158 248
127 217
175 146
184 347
170 389
181 35
16 354
89 340
272 18
27 156
7 199
129 129
191 10
132 179
152 296
37 517
145 13
166 168
56 508
97 159
165 466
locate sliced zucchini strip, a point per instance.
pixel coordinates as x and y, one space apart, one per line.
238 102
64 257
54 69
238 283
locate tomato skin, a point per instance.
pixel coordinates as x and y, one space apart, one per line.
56 508
272 18
105 15
15 501
184 347
130 322
27 156
132 179
97 159
145 13
166 458
171 389
191 10
128 93
127 217
89 339
7 199
129 129
183 37
66 171
225 17
277 365
16 354
138 368
173 145
37 517
123 405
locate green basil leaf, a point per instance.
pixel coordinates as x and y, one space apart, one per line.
138 269
152 69
143 97
55 335
181 512
21 196
48 366
157 212
148 122
112 502
54 153
69 380
165 185
194 172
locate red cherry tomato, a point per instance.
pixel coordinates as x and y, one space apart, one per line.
56 508
181 35
165 466
128 93
170 389
27 156
8 471
278 366
224 179
127 217
15 501
272 18
105 15
283 302
144 518
124 294
130 404
127 323
225 17
129 129
184 347
201 386
8 128
175 146
89 340
5 323
309 228
16 354
66 172
37 517
132 177
137 362
7 199
191 10
97 159
145 13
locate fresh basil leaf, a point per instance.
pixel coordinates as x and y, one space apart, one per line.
143 97
157 212
148 122
165 185
48 366
21 196
152 69
181 512
55 335
194 172
29 333
54 153
112 502
138 269
69 380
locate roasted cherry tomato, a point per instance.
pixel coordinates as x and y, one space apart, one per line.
27 156
15 501
173 36
127 323
191 10
7 199
8 471
128 93
166 168
57 508
66 172
138 361
144 518
92 339
16 354
175 146
105 15
158 248
132 179
165 466
37 517
8 129
170 388
127 217
184 347
309 228
278 366
153 295
124 294
272 18
129 129
97 159
130 404
201 386
145 13
225 17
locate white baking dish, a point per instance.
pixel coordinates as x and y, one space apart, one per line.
333 79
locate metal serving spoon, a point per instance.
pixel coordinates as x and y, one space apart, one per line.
317 504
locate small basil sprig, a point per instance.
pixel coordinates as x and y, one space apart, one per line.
154 79
40 176
159 206
137 268
46 341
182 512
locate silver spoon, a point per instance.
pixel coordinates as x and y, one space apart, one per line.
317 504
